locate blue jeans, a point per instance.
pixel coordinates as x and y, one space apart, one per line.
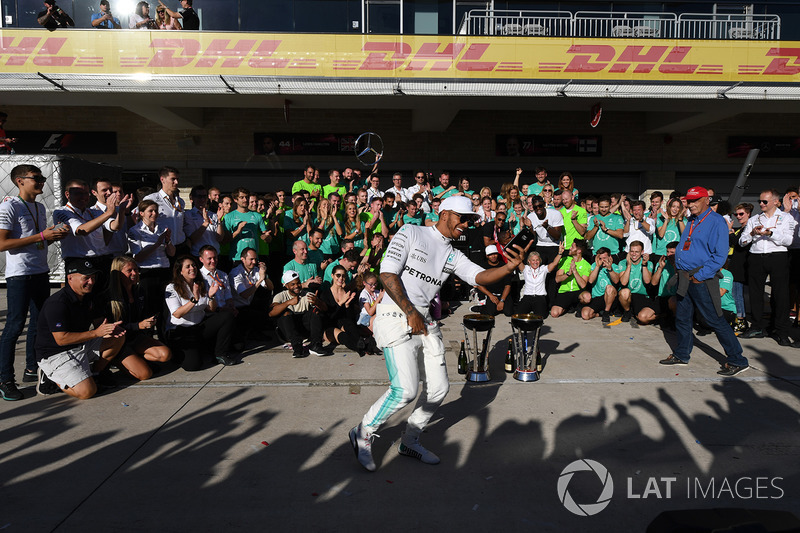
24 295
698 295
738 297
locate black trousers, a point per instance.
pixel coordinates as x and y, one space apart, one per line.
533 304
191 345
296 326
489 308
776 265
152 282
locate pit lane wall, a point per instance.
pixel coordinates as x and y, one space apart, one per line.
397 57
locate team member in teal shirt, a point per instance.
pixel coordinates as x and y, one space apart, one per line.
444 190
605 228
603 279
669 227
308 271
634 275
245 227
413 215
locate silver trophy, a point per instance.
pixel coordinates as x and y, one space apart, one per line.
525 334
478 367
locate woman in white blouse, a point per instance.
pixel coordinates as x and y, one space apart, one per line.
534 291
195 324
151 247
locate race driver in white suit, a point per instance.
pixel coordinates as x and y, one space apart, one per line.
418 261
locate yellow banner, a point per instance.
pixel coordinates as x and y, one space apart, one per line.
381 56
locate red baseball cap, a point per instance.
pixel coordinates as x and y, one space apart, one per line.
696 192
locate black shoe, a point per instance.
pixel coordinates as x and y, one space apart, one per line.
578 314
672 360
702 332
626 316
298 352
30 376
754 334
10 392
319 350
226 360
731 370
46 386
238 347
605 317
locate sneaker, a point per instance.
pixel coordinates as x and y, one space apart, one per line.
740 326
731 370
319 351
672 360
30 376
626 316
46 386
226 360
754 334
298 352
605 317
10 392
416 450
362 446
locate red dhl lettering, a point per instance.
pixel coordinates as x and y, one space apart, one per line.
780 66
596 58
46 56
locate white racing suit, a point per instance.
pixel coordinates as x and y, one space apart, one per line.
424 259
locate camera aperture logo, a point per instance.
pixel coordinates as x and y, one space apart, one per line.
585 509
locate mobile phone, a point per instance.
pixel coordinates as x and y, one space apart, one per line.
60 226
521 239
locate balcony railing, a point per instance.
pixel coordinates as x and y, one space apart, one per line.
502 22
729 26
619 24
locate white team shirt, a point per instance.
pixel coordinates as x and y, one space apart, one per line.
534 281
223 294
90 245
783 227
240 280
18 219
424 259
192 318
170 215
554 220
637 233
140 237
118 244
193 219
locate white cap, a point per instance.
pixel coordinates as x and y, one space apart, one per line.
491 249
288 276
457 204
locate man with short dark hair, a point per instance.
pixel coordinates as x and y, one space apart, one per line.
635 273
190 19
307 184
24 237
105 19
572 277
603 278
69 352
349 261
246 227
171 208
202 226
444 190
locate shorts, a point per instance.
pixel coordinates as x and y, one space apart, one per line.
566 300
660 304
71 367
640 301
597 304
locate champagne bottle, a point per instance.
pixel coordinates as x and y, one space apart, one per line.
462 360
509 359
538 361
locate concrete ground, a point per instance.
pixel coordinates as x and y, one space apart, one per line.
264 444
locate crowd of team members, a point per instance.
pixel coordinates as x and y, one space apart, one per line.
152 280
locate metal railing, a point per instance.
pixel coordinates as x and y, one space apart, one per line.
620 24
729 26
506 22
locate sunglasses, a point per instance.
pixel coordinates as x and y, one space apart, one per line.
547 190
740 214
461 217
37 179
763 201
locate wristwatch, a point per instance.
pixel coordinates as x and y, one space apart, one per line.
193 300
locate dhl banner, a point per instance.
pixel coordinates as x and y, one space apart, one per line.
401 57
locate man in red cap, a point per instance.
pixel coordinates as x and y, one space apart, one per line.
701 252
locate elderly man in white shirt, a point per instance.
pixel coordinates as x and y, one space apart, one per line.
771 232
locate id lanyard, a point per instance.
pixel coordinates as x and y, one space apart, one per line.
40 244
688 242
